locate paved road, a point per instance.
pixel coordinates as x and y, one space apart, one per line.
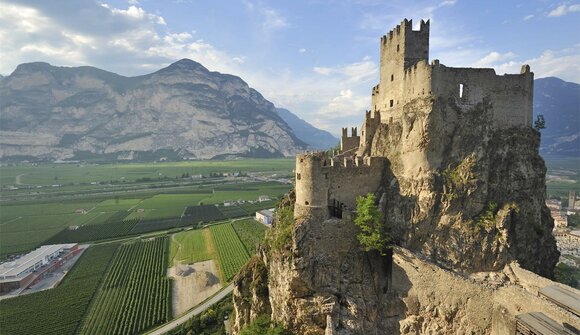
159 331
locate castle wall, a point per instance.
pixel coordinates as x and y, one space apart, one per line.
401 49
349 143
320 179
510 95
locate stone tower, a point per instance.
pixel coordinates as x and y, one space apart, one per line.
571 200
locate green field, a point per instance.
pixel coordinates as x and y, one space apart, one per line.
26 226
60 310
190 247
231 251
251 233
563 175
50 174
135 294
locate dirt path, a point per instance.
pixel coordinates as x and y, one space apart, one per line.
193 283
17 182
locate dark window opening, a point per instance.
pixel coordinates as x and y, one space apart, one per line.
301 160
298 176
397 48
306 203
326 176
392 77
461 90
391 103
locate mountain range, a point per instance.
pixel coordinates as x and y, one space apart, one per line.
559 102
183 111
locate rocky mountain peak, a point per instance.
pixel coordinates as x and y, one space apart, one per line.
181 111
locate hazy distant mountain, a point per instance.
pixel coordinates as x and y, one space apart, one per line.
316 138
559 102
181 111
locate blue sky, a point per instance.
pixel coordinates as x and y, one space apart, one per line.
317 58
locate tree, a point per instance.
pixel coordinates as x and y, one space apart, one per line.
540 123
369 219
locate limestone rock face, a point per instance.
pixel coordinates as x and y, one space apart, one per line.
466 194
183 110
463 198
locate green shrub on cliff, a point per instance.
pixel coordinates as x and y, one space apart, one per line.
369 219
262 325
279 237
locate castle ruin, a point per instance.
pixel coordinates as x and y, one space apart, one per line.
408 83
453 159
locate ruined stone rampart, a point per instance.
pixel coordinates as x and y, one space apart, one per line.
349 143
405 75
320 179
510 95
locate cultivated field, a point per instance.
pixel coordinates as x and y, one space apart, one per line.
59 310
251 233
231 251
135 294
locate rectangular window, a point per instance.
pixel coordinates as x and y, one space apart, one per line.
391 103
461 90
298 176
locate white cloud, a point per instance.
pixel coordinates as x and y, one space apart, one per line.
448 3
133 2
346 103
562 64
563 10
272 20
302 50
528 17
352 73
127 41
493 58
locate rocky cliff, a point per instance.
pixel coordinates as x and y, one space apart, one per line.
467 194
181 111
465 200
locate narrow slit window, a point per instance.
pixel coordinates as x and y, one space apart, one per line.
392 77
391 103
397 48
298 176
460 90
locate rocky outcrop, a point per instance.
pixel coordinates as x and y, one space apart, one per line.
468 195
181 111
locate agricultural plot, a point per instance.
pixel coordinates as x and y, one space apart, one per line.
251 233
115 226
135 294
252 208
232 253
25 233
168 205
246 191
59 310
13 211
48 174
204 213
146 226
113 205
232 211
190 247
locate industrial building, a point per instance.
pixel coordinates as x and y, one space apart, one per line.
24 271
265 216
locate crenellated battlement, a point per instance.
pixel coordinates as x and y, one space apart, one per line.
349 143
321 180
